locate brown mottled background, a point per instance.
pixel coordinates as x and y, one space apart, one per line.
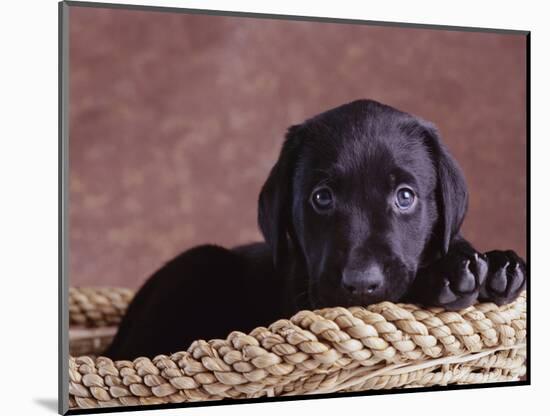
175 121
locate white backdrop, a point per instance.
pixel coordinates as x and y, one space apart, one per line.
28 208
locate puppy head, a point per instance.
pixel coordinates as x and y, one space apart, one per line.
366 194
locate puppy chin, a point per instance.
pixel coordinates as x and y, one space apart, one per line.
365 300
337 297
327 296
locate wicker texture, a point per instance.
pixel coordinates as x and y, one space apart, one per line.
334 349
98 307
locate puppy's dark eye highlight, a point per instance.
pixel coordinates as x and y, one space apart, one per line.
404 198
322 199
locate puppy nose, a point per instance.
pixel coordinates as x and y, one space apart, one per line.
362 281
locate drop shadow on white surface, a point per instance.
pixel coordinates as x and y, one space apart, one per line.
49 404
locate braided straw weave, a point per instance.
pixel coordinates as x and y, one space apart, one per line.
382 346
98 307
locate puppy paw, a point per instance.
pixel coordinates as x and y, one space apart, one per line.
506 277
462 275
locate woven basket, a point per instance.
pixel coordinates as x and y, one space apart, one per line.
383 346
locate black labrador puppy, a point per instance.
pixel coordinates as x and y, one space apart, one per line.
364 204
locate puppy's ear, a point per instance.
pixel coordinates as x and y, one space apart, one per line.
451 189
275 200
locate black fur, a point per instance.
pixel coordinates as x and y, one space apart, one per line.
362 249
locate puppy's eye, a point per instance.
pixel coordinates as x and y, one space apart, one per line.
404 198
322 199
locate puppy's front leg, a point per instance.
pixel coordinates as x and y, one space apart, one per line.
506 277
454 281
464 275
